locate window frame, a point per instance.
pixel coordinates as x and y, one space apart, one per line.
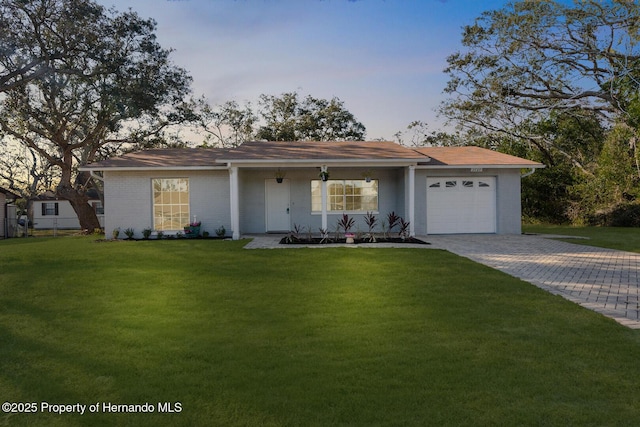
50 209
345 202
159 215
98 207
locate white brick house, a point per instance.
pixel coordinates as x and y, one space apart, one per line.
438 189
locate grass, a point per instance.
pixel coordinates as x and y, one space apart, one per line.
621 238
312 337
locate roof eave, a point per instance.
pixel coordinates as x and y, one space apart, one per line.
318 162
482 166
150 168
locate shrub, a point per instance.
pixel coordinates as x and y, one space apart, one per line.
129 233
146 233
622 215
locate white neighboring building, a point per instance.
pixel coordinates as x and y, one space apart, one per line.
51 213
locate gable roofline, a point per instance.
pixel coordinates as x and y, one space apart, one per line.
162 159
473 157
9 194
261 154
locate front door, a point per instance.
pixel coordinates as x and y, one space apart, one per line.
277 205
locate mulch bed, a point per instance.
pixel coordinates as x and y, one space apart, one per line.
318 241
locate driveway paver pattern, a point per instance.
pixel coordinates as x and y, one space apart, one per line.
604 280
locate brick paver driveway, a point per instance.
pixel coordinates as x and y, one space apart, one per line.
604 280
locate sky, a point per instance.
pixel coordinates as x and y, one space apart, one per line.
383 59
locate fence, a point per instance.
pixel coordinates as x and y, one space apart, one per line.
54 227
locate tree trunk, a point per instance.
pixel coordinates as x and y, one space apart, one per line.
80 204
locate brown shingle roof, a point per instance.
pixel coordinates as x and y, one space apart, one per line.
471 156
268 152
314 150
163 158
8 193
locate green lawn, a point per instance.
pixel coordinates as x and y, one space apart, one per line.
299 337
622 238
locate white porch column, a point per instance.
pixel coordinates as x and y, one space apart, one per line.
234 193
323 192
411 200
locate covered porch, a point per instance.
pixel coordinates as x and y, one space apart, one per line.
275 185
278 197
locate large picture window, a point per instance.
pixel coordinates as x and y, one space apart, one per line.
346 195
170 203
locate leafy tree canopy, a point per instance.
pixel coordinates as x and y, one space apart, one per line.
288 118
556 81
533 57
78 82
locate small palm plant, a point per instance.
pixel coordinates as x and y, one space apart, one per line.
392 220
324 234
346 223
371 221
404 229
294 234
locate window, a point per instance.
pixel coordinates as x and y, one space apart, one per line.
346 195
170 203
50 208
98 208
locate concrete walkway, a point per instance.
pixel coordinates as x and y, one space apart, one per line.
603 280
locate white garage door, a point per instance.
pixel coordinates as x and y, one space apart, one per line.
461 205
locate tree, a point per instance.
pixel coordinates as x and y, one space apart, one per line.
555 193
417 134
32 36
554 79
534 57
101 81
543 55
287 118
24 171
278 118
227 126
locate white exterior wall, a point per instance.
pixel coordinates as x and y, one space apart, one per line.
66 218
252 198
508 200
128 199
